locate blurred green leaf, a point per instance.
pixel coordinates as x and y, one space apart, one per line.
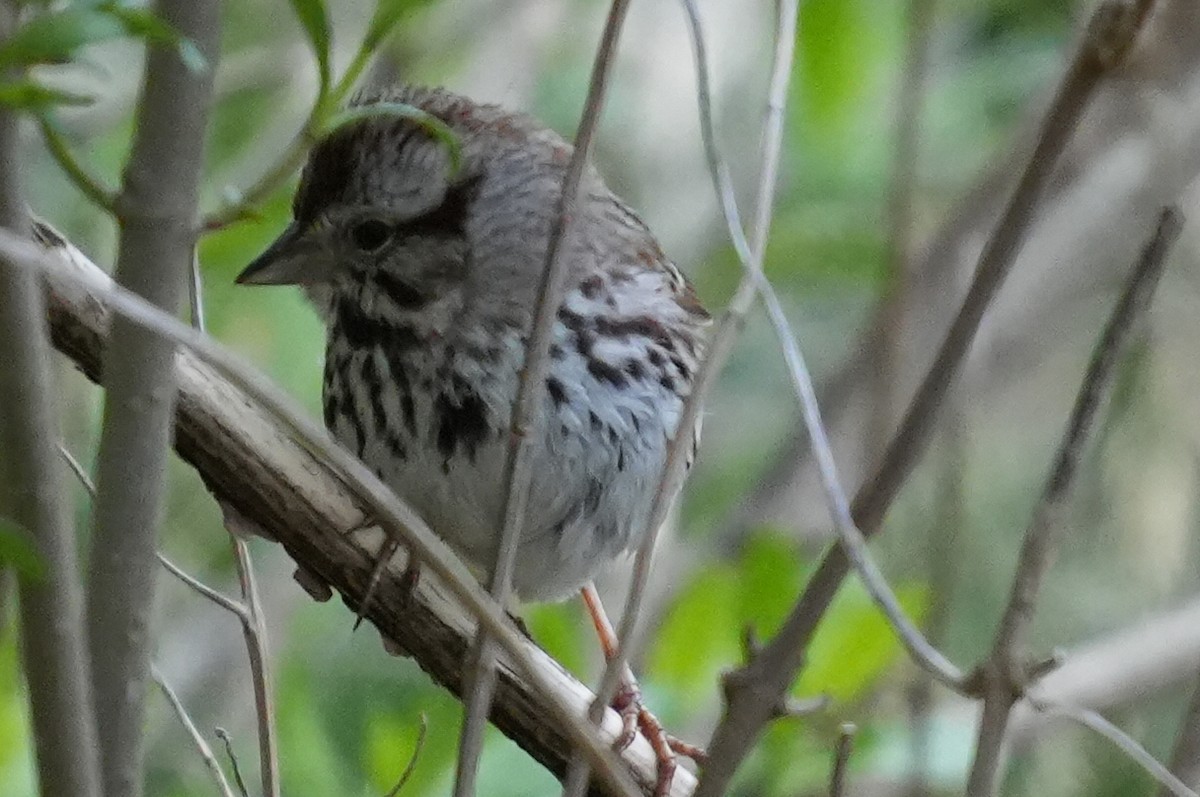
28 94
391 743
315 21
699 636
559 629
854 644
54 38
17 552
387 14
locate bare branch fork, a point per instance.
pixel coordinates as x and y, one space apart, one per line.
262 455
1002 678
753 691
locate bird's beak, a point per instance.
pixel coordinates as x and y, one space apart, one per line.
293 259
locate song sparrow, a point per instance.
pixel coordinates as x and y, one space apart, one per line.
426 279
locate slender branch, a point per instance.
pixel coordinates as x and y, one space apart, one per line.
80 177
53 649
228 604
841 759
226 740
852 540
1126 743
1185 759
257 449
157 211
418 746
1003 675
721 344
531 393
252 629
206 753
756 687
254 632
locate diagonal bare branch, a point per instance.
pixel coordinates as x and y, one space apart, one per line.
1003 676
755 688
259 451
185 719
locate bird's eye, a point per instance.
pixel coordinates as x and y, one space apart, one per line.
370 235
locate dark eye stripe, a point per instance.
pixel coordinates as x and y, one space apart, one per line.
449 219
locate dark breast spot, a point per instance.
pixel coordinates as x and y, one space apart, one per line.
461 422
558 393
604 372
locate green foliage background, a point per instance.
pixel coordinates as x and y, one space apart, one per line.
348 713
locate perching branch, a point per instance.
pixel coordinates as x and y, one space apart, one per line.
754 689
157 209
53 649
1002 678
262 455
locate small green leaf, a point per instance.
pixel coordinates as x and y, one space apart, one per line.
387 14
855 644
699 636
30 95
315 21
17 552
429 123
54 38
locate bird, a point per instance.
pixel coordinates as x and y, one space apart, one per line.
425 269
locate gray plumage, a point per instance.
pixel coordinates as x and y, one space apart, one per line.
427 286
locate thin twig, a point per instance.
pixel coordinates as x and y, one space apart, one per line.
228 604
1126 743
722 341
851 539
412 761
185 719
531 392
753 690
1002 678
77 469
841 759
260 675
225 738
249 612
80 177
67 267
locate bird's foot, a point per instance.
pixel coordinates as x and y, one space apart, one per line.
634 717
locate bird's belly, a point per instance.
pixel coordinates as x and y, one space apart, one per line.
441 445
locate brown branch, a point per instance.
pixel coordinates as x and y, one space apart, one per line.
157 210
1002 678
53 650
754 689
261 455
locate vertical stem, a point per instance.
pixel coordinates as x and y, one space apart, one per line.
52 644
157 213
